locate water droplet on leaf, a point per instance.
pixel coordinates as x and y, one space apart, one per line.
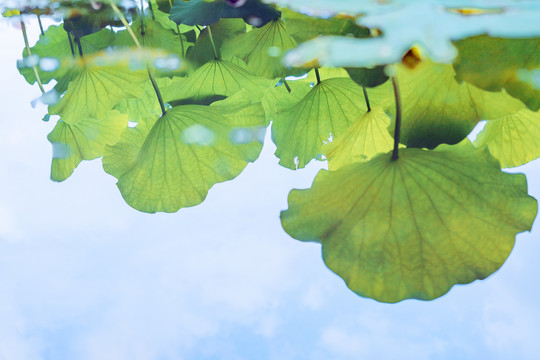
61 150
198 135
246 135
48 98
254 21
29 61
169 63
49 64
274 51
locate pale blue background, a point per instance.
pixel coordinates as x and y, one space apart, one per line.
84 276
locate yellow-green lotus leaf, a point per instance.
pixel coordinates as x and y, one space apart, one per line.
262 49
437 109
167 163
304 27
513 139
495 63
222 31
96 90
85 140
323 114
414 227
367 137
220 77
54 43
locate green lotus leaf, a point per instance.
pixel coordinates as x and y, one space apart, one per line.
153 36
262 49
85 140
368 77
167 163
437 109
219 77
513 139
147 105
96 90
493 64
303 27
223 30
54 47
367 137
414 227
200 12
163 5
162 17
278 98
323 114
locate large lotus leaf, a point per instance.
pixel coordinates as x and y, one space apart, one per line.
324 113
200 12
85 140
262 49
219 77
493 64
223 30
437 109
303 27
414 227
513 139
53 47
171 162
367 137
96 90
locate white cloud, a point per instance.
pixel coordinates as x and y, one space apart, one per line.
83 276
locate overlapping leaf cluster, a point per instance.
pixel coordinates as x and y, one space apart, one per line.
175 96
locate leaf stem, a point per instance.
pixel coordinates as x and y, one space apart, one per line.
318 76
142 18
397 130
79 45
367 99
126 24
158 93
212 41
286 85
138 44
71 44
181 41
152 10
40 25
29 53
177 30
